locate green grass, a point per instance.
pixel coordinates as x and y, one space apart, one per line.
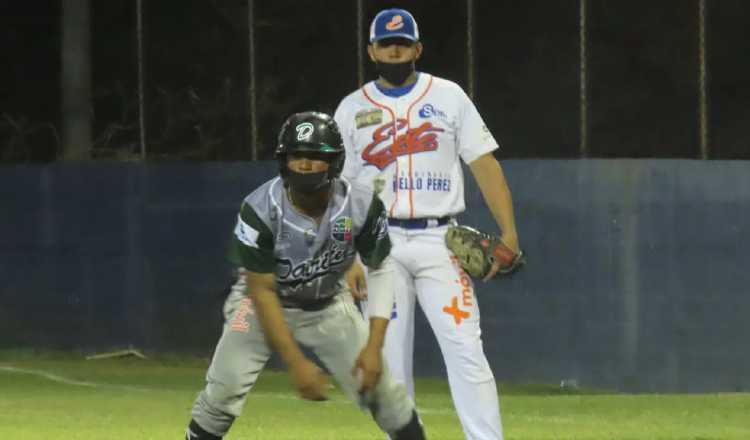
62 396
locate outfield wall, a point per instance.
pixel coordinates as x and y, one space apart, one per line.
638 277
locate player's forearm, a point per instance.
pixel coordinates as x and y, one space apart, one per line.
491 180
378 327
277 332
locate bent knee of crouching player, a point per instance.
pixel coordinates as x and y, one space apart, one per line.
218 405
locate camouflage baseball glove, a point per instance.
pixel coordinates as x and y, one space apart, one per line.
477 251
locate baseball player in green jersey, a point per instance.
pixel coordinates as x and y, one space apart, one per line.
295 238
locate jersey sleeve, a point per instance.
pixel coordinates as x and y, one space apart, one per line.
474 138
373 243
343 119
251 245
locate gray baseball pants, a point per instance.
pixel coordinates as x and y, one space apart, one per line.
336 334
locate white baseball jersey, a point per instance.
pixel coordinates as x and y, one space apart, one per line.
408 147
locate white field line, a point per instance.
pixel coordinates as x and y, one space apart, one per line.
49 376
53 377
67 381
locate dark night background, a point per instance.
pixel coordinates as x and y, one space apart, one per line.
642 67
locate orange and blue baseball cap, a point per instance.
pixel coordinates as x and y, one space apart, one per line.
394 23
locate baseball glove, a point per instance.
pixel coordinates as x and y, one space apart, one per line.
477 251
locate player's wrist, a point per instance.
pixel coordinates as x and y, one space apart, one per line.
373 344
376 336
511 240
295 360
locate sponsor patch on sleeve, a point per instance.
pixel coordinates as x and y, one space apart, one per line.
246 234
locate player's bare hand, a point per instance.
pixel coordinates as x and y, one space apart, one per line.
369 367
309 380
355 277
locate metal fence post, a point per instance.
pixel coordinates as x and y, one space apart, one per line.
702 82
583 81
141 60
252 90
470 68
359 38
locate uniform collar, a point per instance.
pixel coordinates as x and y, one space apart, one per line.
423 79
398 91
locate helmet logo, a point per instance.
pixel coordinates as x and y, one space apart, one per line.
397 22
304 131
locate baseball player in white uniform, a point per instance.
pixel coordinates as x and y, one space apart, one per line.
295 237
405 135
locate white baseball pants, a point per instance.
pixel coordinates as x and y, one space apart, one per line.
425 271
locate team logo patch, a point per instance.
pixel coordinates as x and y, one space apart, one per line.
342 229
365 118
397 22
429 110
304 131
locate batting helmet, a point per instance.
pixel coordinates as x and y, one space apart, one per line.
315 133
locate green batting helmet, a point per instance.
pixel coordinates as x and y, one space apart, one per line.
312 132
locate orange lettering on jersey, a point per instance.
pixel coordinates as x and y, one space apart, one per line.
414 140
466 296
467 289
239 323
453 310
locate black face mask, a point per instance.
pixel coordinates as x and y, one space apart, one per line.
395 73
307 183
